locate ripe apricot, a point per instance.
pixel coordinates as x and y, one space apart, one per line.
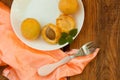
30 28
68 6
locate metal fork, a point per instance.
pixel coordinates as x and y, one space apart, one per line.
86 49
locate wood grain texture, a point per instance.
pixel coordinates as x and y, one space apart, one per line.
101 24
7 2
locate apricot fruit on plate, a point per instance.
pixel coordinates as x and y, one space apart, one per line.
30 28
65 23
68 6
51 33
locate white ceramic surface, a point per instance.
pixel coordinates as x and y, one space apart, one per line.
45 11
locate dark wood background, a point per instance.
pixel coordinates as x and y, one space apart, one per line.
102 24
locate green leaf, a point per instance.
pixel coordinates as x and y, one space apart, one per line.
64 35
62 41
69 39
73 32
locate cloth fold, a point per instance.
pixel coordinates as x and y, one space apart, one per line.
24 61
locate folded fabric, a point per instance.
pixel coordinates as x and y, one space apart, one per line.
24 61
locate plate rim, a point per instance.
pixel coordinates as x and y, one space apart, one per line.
60 46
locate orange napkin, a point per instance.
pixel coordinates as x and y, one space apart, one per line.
24 61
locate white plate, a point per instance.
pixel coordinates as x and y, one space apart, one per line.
45 11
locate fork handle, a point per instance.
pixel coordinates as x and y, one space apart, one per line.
49 68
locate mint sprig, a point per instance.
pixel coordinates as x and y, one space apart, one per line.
64 35
73 32
62 41
67 37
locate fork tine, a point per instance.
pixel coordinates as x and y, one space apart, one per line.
86 49
92 49
91 45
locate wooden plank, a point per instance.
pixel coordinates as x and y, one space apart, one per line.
102 24
7 2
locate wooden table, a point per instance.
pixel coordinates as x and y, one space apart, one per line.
102 24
